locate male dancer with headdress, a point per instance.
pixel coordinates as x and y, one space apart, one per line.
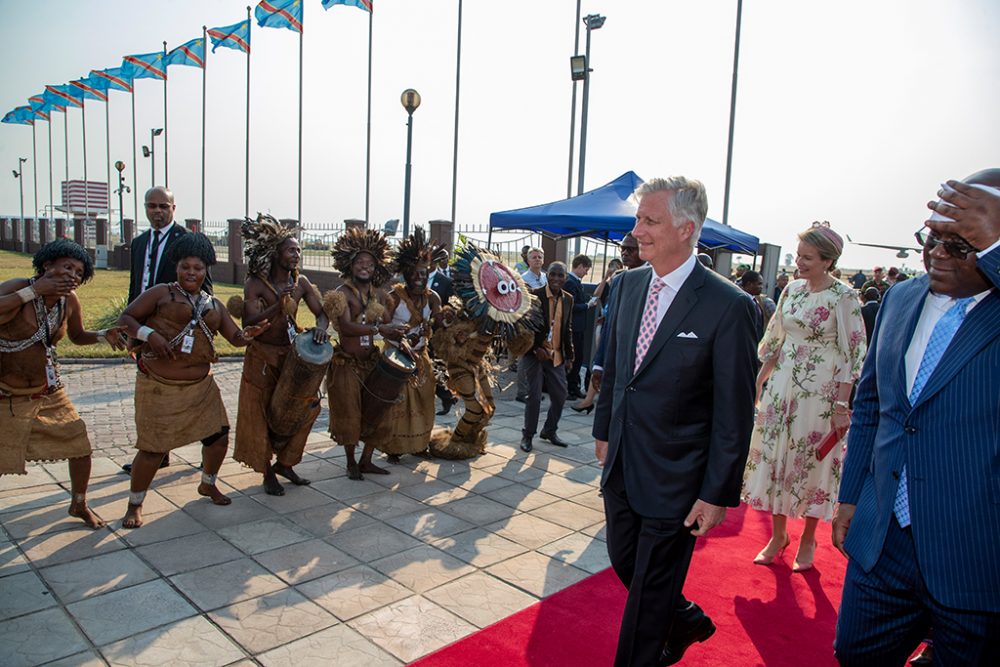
414 306
272 292
37 420
177 401
357 311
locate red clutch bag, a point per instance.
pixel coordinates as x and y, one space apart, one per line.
828 442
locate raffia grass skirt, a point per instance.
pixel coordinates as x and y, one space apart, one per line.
173 413
45 428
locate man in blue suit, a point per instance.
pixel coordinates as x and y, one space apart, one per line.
919 518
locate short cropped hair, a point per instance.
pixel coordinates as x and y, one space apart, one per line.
582 260
689 203
556 266
59 249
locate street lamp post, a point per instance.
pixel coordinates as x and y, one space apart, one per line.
150 152
18 174
410 100
593 22
122 189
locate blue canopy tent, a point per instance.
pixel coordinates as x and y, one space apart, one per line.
605 213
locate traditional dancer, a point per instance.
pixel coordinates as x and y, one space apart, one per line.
37 419
493 305
177 401
273 291
414 306
357 311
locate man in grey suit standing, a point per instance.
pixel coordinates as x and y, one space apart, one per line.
919 514
673 420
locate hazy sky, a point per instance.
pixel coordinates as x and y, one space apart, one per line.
849 111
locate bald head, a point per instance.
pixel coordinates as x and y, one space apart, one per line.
159 207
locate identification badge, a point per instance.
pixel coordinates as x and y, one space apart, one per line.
366 341
291 333
51 375
187 344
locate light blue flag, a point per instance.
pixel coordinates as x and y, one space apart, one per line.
19 116
364 5
66 96
91 88
236 36
115 77
279 14
189 53
144 66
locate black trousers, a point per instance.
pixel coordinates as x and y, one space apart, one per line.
651 558
554 378
573 374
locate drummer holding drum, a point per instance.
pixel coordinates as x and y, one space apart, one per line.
273 290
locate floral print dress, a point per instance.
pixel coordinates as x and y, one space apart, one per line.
819 341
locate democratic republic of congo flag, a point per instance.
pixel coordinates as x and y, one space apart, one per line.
364 5
236 36
189 53
279 14
19 116
91 88
116 78
144 66
64 95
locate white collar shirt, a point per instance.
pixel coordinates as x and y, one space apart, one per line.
148 280
673 282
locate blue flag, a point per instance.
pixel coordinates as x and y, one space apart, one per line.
279 14
39 103
63 96
364 5
115 78
236 36
91 88
189 53
144 66
19 116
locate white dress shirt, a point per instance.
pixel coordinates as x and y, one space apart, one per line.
534 281
147 280
673 281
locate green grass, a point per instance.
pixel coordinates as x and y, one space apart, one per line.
105 295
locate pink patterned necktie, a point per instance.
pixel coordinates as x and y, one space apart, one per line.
648 326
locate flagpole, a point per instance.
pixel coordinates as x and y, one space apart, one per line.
86 183
458 82
301 59
204 74
34 167
135 182
66 144
732 113
107 150
52 203
166 172
368 141
246 184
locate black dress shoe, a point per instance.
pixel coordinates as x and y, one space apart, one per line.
521 399
526 445
446 405
127 468
554 439
680 640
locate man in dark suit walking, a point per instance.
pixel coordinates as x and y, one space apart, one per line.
574 285
149 253
919 513
439 281
869 311
673 420
549 358
149 250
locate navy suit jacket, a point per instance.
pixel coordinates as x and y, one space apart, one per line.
681 423
442 285
574 286
166 271
949 441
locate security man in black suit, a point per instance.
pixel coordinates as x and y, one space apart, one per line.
440 282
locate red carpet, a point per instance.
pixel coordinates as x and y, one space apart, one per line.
765 615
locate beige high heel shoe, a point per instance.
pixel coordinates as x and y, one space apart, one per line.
804 557
766 558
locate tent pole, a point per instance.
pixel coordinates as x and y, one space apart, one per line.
489 237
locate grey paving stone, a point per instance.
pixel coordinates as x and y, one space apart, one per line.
271 620
373 541
353 592
412 627
38 638
23 593
480 598
300 562
422 568
123 613
220 585
192 642
350 648
260 536
191 552
94 576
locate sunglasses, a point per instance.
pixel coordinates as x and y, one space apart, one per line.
958 248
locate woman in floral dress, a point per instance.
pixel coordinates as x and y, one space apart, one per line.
812 353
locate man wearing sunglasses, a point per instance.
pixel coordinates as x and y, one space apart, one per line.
919 510
149 252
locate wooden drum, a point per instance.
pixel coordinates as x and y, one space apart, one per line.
296 395
384 385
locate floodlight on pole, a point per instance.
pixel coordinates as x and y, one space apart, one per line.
410 99
122 189
593 22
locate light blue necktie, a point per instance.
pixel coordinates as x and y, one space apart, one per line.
940 338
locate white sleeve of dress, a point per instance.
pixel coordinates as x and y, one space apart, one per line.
850 338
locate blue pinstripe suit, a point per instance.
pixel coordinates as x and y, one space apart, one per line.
949 441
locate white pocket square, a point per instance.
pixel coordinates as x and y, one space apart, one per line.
689 334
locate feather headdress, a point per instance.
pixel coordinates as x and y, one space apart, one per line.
355 241
415 249
261 240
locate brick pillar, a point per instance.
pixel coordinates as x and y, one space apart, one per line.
355 223
555 251
18 231
3 231
235 241
28 236
192 224
442 231
43 231
79 230
60 228
101 225
128 231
